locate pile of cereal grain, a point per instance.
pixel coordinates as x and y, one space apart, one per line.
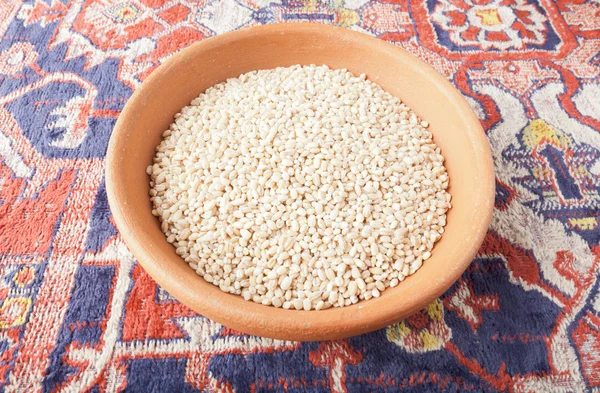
300 187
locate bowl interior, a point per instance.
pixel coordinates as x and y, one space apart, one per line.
183 77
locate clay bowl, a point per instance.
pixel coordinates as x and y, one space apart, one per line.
455 127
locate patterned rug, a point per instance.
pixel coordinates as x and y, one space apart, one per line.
79 314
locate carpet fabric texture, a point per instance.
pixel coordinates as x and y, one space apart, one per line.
77 313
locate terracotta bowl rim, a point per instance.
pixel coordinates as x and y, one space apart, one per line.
291 324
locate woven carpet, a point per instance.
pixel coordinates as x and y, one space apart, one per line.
78 313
